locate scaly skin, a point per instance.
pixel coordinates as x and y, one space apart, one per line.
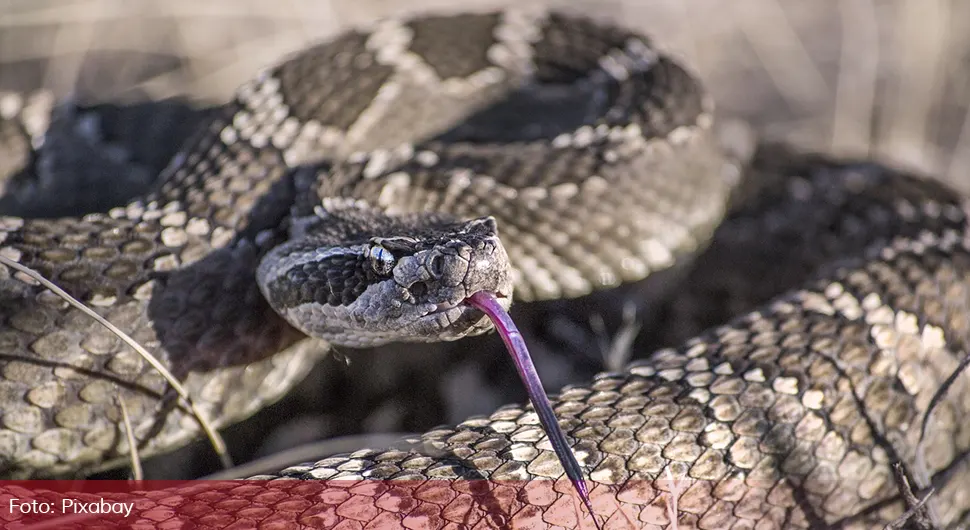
630 150
788 417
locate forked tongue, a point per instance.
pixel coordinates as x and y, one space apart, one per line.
488 304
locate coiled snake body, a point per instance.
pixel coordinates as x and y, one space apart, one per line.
365 187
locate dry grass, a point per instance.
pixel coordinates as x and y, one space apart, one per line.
30 275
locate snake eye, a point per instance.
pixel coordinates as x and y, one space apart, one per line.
381 259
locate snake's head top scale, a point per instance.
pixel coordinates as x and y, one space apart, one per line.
360 280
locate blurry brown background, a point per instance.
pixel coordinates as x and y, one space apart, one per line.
890 77
883 78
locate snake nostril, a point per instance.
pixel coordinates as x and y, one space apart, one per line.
419 290
436 266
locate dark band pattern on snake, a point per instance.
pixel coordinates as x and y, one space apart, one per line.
361 190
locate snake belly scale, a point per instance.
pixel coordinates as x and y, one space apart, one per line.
538 156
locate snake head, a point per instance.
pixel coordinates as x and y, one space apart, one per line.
358 277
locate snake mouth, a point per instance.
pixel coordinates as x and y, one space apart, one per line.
459 318
446 306
464 305
503 299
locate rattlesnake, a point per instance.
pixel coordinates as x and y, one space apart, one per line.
545 152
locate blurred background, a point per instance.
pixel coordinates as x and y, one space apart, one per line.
885 79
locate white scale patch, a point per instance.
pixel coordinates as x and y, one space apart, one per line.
221 237
515 36
11 253
635 58
135 211
99 300
816 302
755 375
785 385
427 159
198 226
813 399
175 219
144 291
656 253
174 237
266 120
10 104
168 262
887 329
389 43
724 369
228 135
701 395
338 203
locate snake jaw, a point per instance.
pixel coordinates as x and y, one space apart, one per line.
503 299
445 306
453 313
456 309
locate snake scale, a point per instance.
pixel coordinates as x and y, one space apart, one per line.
373 182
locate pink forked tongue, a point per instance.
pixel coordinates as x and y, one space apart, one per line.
488 304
